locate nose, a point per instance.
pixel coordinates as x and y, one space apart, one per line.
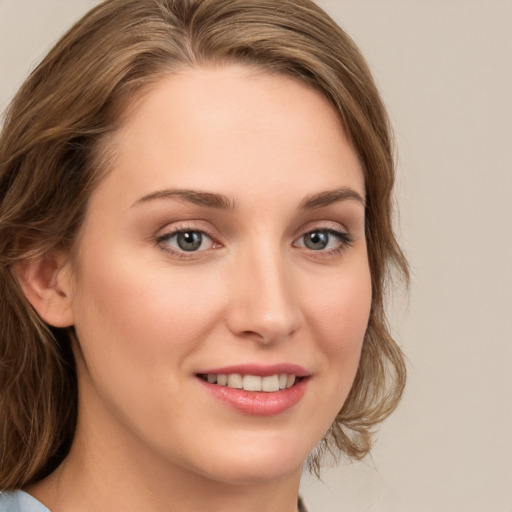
264 305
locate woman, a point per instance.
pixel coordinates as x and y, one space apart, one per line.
195 232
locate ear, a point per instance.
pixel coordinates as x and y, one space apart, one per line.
46 282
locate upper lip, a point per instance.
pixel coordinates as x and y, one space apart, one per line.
258 370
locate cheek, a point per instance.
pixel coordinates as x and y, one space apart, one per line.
131 316
341 310
137 328
339 317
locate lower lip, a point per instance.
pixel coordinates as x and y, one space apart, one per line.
259 403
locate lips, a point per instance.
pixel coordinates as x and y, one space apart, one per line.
257 390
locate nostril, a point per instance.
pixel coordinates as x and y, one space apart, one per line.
266 335
252 334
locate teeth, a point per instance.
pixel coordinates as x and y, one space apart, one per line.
235 381
269 384
252 383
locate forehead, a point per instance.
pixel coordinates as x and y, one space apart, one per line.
230 129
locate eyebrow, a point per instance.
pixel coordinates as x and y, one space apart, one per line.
208 199
224 203
329 197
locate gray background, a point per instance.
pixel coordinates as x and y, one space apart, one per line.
445 70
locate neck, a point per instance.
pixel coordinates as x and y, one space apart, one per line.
102 475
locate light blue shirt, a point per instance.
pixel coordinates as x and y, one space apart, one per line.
20 501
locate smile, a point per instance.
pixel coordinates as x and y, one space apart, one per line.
267 384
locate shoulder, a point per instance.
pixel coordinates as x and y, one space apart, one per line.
19 501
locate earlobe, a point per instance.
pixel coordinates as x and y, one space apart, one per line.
46 284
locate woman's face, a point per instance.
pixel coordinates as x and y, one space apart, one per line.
227 243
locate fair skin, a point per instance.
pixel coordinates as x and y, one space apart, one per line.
228 236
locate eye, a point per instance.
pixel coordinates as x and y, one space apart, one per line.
187 240
324 240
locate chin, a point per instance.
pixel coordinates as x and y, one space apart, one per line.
258 462
256 472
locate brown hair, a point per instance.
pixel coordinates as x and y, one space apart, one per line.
51 159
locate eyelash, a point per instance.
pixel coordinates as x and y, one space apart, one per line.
162 241
344 241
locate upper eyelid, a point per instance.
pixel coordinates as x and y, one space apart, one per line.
187 225
169 230
320 225
198 225
173 232
345 236
161 242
